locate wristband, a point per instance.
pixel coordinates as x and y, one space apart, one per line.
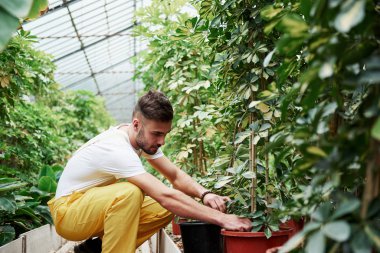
204 194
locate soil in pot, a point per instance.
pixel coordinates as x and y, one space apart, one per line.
200 237
239 242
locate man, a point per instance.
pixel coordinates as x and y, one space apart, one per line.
92 202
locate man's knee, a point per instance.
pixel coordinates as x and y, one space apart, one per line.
129 192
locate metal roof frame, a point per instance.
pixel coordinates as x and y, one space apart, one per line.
92 46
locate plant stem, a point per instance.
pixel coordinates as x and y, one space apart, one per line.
252 167
371 186
267 174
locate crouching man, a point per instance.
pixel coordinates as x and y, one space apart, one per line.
91 201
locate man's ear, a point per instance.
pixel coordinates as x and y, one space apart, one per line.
135 123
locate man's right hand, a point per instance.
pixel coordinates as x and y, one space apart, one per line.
235 223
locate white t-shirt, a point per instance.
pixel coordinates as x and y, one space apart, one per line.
101 161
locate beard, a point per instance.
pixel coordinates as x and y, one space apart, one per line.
142 143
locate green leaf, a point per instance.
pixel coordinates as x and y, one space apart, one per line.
294 25
17 8
7 204
352 12
322 213
360 243
257 214
293 243
268 58
254 103
316 243
267 232
47 184
316 151
346 207
222 183
375 131
269 12
374 209
249 174
373 234
256 223
240 137
11 186
47 171
38 5
7 234
8 25
337 230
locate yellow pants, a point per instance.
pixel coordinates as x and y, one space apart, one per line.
118 213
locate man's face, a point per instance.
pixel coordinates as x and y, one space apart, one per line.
151 135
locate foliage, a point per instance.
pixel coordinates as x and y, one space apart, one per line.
23 207
41 125
176 64
24 72
298 81
12 11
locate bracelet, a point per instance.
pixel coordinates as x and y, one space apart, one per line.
204 194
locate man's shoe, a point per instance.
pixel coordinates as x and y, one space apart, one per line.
89 246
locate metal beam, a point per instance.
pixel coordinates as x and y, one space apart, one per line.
89 77
94 43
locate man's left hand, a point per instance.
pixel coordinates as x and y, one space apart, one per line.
216 202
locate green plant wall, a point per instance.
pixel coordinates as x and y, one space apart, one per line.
296 87
39 129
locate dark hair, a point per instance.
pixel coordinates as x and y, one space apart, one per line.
154 105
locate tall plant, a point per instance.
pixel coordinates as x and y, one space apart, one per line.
336 129
177 62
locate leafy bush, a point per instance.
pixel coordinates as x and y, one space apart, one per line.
41 126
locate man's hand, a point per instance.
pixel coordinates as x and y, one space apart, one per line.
216 202
235 223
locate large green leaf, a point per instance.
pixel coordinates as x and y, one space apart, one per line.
322 213
360 243
17 8
38 5
375 132
47 171
47 184
346 207
8 25
294 25
11 186
352 12
316 243
338 230
7 234
374 234
269 12
7 204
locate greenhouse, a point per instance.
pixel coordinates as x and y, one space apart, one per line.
198 126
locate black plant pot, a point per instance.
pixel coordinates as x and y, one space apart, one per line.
200 237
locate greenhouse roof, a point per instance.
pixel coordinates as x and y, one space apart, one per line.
92 47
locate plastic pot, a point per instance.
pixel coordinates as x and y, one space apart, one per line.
239 242
200 237
175 225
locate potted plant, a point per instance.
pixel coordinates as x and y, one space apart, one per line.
266 217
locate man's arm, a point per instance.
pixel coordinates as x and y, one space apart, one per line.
184 206
183 182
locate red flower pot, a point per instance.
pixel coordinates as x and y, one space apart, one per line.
175 225
239 242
